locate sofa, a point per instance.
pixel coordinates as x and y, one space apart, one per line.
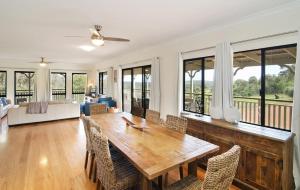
5 105
108 101
55 111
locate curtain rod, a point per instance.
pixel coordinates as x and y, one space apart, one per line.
136 62
242 41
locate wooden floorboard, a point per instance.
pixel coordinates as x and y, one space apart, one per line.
47 156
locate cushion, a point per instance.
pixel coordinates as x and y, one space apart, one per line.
4 101
1 101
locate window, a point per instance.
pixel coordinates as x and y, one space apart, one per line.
3 83
58 85
136 84
197 84
263 85
79 83
103 83
24 86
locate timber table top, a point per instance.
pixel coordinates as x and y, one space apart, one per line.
155 150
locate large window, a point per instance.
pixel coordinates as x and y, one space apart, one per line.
58 85
3 83
136 84
24 86
263 85
103 83
79 83
197 84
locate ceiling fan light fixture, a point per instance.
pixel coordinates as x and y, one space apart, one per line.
98 41
42 64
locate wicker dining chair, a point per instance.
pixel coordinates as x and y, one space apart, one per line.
178 124
89 150
220 173
98 108
112 174
153 116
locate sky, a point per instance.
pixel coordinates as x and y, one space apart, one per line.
244 74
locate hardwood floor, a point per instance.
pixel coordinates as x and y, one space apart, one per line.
47 156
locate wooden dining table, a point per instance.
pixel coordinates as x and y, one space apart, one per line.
155 150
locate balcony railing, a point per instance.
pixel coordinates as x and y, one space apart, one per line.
58 94
24 96
78 95
2 93
278 113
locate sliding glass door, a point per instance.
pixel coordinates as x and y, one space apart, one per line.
136 84
24 86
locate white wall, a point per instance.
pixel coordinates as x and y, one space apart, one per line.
42 92
274 21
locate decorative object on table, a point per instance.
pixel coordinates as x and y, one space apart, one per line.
133 125
232 115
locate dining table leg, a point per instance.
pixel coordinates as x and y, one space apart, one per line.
192 168
146 184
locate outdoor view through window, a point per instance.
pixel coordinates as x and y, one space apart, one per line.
198 83
3 83
264 84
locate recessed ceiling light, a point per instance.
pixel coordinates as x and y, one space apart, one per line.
87 48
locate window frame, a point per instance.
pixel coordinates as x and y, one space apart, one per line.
202 83
132 80
5 96
15 85
65 74
263 82
73 83
101 81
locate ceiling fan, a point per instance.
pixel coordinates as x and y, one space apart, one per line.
98 39
43 62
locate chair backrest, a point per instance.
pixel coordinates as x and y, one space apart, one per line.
98 108
106 172
153 116
95 125
221 170
86 125
176 123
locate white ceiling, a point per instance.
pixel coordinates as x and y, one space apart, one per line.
33 28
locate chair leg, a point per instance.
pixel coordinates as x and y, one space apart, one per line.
86 159
91 166
166 179
181 172
95 173
98 185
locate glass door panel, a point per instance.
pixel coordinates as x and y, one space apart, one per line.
137 97
127 76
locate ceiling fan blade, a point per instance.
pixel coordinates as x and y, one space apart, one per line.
34 62
74 36
116 39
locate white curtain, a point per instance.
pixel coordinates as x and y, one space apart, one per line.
119 87
296 120
155 85
222 98
110 81
180 83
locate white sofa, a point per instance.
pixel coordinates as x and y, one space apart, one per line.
4 109
19 115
